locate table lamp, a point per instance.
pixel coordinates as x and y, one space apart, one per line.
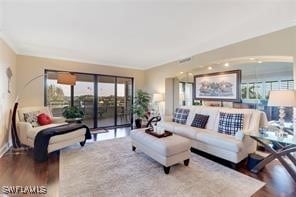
157 98
282 99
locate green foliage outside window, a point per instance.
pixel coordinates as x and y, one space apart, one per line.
55 93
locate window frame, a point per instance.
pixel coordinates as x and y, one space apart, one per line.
96 77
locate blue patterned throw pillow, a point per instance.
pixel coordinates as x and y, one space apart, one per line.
180 115
200 121
230 123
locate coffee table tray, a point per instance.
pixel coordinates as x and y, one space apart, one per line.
151 132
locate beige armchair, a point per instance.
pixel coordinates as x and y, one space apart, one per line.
27 133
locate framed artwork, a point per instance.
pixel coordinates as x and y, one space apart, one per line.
9 76
220 86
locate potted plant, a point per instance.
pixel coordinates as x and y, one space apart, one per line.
140 106
72 114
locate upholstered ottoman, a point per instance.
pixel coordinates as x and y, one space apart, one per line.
167 151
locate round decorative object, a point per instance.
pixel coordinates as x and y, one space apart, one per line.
44 119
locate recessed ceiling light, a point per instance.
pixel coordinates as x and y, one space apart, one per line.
226 64
259 62
181 72
251 58
210 68
190 73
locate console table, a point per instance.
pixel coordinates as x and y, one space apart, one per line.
287 146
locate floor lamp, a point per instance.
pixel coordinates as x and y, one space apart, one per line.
65 78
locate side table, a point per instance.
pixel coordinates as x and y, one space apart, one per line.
287 145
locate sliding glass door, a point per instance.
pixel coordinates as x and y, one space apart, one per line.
106 101
124 95
84 97
114 101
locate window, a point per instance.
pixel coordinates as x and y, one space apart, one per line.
271 85
84 97
287 85
255 90
58 95
258 93
185 94
252 90
244 91
105 100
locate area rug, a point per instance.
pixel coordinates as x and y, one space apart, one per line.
111 168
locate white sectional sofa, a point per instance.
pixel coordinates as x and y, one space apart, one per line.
209 140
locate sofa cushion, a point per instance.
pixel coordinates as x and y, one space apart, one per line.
31 117
191 115
33 132
200 121
167 146
180 115
186 131
230 123
67 136
169 126
223 141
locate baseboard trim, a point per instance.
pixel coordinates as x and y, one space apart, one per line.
4 149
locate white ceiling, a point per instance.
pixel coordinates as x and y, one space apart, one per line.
136 33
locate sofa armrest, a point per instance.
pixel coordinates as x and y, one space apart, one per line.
58 119
249 132
250 143
22 130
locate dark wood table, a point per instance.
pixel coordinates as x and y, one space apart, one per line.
286 148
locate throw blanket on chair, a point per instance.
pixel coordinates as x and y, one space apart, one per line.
42 138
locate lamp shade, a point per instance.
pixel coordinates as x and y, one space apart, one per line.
282 98
157 97
66 78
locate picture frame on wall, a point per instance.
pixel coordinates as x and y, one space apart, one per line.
219 86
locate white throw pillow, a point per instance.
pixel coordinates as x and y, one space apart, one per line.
239 135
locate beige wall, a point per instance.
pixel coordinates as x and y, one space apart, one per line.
29 67
7 59
280 43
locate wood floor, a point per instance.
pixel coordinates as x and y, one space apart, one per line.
21 170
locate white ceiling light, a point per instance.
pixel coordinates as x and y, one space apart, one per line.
226 64
251 58
210 68
122 33
259 62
